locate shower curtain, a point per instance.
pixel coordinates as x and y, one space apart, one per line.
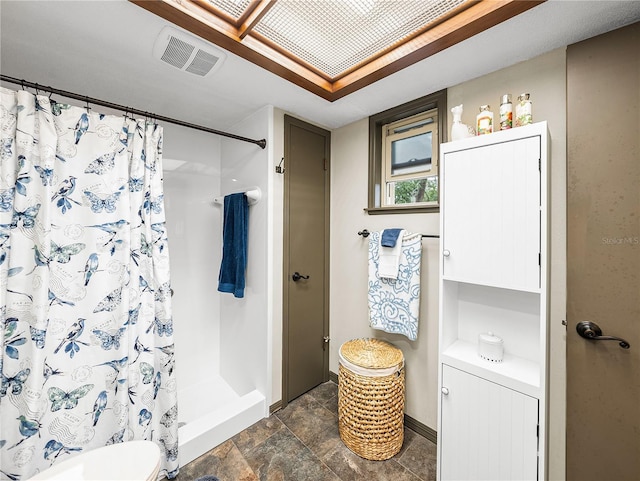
87 357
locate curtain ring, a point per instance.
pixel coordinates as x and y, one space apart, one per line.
87 101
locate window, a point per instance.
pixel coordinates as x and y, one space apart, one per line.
410 160
403 156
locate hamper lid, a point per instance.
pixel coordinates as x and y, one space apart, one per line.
371 353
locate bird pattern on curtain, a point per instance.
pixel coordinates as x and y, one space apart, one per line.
87 357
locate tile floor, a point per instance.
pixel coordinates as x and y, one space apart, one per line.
301 443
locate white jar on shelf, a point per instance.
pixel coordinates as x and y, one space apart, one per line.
490 347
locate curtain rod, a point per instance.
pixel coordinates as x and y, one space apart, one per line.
90 100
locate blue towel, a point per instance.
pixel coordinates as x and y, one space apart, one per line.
234 244
389 237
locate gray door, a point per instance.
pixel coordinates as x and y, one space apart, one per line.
306 258
603 275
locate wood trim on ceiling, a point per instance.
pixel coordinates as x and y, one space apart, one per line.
236 37
253 17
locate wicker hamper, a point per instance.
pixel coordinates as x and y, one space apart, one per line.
371 398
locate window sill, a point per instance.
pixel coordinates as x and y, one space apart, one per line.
431 209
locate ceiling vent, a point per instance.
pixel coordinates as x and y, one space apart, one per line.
186 52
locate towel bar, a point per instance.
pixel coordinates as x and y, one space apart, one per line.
365 233
253 196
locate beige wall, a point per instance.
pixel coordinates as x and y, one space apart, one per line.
542 77
349 253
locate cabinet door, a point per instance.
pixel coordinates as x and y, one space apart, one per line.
487 431
491 214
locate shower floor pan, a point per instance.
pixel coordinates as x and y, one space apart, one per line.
210 413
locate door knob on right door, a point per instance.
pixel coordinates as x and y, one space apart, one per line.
297 276
590 330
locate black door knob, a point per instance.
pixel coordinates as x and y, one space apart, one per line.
297 276
590 330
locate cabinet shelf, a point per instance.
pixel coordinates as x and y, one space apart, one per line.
513 372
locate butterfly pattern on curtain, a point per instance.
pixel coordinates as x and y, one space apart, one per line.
87 357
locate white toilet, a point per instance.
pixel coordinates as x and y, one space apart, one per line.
130 461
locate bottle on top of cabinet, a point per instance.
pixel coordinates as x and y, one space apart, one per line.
458 129
506 112
523 110
484 120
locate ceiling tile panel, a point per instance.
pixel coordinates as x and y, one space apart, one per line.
335 36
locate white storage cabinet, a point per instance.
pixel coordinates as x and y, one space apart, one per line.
492 416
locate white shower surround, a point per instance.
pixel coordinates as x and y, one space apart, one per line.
223 354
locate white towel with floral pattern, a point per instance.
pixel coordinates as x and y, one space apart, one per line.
394 304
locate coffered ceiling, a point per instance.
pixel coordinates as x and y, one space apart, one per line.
335 47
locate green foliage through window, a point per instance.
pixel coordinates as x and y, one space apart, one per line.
417 190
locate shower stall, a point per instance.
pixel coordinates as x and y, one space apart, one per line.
222 344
